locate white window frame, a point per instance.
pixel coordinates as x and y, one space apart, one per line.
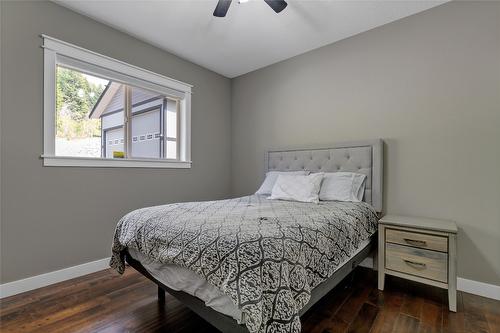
57 52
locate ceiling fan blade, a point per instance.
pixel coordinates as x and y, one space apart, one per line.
222 7
277 5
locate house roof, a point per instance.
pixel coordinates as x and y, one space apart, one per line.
103 101
111 99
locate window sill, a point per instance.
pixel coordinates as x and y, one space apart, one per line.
68 161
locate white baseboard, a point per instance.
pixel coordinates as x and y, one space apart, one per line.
42 280
38 281
479 288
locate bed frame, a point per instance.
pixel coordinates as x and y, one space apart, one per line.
361 156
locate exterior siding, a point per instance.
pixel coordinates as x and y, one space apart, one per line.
138 96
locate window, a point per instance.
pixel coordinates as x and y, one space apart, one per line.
102 112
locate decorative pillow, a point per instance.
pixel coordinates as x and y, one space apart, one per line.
297 188
267 186
343 186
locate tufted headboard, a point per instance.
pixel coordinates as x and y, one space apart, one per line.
364 157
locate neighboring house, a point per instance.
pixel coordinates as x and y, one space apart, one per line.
150 114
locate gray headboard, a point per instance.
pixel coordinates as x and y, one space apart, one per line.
362 157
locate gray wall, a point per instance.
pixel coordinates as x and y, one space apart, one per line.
54 218
429 85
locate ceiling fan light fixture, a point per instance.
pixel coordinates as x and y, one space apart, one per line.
276 5
223 6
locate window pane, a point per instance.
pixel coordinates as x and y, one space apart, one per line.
171 149
146 134
171 126
171 119
145 123
78 133
114 142
91 119
110 109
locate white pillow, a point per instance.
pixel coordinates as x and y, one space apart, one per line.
267 186
343 186
297 188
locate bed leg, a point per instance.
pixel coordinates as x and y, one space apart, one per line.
161 295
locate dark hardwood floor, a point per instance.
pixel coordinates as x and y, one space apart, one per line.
107 302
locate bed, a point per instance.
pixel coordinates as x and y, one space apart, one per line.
251 264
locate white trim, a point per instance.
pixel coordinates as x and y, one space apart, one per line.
185 129
42 280
70 161
77 52
49 102
479 288
123 78
59 52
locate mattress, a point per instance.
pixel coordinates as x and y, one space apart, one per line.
265 255
182 279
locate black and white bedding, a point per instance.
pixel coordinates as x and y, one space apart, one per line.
266 255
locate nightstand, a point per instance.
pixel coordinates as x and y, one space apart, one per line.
419 249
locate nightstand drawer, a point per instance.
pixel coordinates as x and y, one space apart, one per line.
424 241
424 263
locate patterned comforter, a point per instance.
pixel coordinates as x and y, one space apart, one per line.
266 255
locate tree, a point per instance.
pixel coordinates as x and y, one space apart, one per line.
76 93
75 97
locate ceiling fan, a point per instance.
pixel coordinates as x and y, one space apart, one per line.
223 6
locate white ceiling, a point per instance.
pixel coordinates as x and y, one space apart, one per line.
252 35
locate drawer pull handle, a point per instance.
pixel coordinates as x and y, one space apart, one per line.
414 263
415 242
